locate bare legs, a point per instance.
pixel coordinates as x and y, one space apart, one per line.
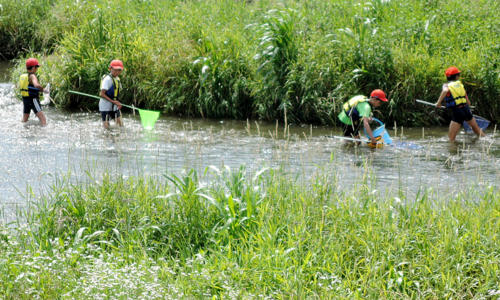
40 115
477 130
118 121
455 128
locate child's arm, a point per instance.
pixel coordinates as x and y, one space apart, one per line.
35 82
369 130
441 97
467 98
103 95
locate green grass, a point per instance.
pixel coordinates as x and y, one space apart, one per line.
228 233
263 59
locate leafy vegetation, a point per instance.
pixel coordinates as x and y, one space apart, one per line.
263 59
229 233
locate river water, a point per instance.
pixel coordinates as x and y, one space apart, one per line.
72 144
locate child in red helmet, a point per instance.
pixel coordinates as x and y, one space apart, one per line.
357 109
456 99
109 106
30 91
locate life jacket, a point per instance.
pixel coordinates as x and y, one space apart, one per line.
28 90
114 91
349 106
456 96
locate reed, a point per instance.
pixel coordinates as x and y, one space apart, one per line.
253 59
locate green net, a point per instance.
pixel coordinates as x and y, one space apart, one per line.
148 118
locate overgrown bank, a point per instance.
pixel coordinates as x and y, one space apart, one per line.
239 235
262 59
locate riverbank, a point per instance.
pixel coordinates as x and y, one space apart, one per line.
264 59
369 223
241 234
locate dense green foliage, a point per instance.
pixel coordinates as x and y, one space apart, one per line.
228 234
264 59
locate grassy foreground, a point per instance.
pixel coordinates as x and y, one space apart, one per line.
262 59
228 234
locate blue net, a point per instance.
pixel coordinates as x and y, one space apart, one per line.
481 122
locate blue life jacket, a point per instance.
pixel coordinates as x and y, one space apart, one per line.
114 91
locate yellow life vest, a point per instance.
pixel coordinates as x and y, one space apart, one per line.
27 90
353 102
23 85
457 92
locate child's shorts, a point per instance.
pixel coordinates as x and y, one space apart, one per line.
31 104
461 114
110 115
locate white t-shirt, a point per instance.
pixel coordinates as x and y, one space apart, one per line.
105 105
445 86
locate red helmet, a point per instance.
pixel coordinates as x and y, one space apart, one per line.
451 71
379 94
31 62
116 64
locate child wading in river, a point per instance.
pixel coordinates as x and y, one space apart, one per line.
456 99
31 91
109 106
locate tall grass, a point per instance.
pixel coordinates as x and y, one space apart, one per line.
37 25
277 54
146 217
228 233
265 59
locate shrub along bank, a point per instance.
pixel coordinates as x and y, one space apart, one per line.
265 59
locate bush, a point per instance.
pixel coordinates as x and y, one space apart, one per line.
268 59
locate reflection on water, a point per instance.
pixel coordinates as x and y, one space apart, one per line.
35 156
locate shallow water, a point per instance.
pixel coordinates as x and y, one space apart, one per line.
34 156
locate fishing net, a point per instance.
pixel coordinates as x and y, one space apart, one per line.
148 118
481 122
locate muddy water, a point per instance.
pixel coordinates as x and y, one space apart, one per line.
34 157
